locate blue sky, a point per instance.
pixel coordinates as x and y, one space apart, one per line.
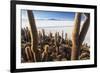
51 15
69 16
54 15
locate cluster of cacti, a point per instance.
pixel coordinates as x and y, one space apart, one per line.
37 46
51 49
25 35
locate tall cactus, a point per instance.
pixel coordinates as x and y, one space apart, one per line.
56 38
75 37
62 36
84 28
43 32
34 35
79 36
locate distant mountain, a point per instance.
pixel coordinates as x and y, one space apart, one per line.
52 19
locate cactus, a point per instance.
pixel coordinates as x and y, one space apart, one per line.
66 37
75 37
29 55
56 36
51 35
84 28
56 42
34 35
79 36
62 36
43 32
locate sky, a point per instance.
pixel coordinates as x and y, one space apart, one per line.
54 15
51 15
48 15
